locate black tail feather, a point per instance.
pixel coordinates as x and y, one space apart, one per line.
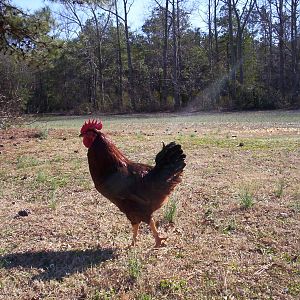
170 160
167 172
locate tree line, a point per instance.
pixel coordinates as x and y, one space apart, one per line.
84 57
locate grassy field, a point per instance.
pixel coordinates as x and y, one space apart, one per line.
233 224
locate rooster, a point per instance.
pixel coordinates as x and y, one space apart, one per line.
136 189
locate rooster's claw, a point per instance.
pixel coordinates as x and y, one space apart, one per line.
160 242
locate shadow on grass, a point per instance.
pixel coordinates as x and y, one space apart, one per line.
57 264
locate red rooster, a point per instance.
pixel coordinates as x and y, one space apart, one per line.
136 189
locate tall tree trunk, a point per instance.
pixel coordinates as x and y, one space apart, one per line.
175 58
98 71
119 60
179 54
231 52
210 38
216 54
165 56
239 53
280 11
294 46
129 60
98 51
92 81
270 64
241 20
216 66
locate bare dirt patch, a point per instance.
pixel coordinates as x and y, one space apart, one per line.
236 228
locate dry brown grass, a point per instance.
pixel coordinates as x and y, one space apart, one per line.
73 243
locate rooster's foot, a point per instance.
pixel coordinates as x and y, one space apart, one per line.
160 242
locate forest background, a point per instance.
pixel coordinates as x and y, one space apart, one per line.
83 57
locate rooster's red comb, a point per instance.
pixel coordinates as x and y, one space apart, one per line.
94 124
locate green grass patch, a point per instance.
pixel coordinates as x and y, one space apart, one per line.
54 182
134 266
58 159
261 118
279 188
295 206
26 161
266 250
294 288
289 258
173 285
246 197
241 144
230 227
41 177
58 181
109 294
170 209
53 200
42 133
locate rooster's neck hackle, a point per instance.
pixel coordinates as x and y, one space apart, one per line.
107 155
112 150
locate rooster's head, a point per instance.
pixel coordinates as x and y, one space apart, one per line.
89 132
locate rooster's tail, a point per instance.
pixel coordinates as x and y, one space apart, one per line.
170 162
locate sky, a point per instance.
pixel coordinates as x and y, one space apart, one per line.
139 12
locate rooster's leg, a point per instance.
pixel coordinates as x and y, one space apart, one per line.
135 229
158 239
